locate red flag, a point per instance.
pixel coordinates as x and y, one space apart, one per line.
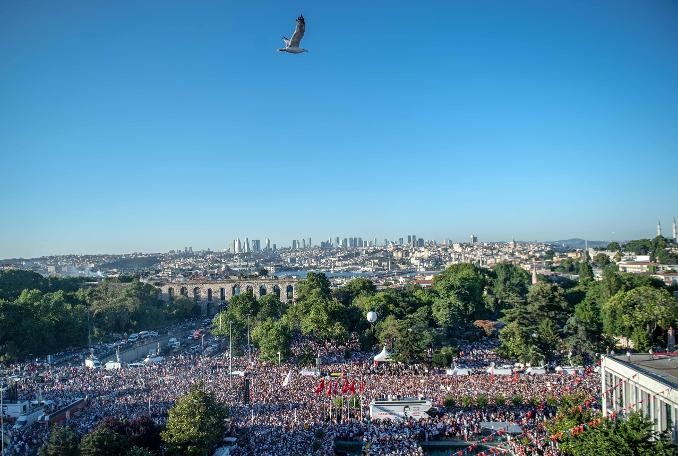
320 387
352 387
329 388
344 388
515 377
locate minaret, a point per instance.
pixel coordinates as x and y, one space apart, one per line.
659 228
534 273
675 230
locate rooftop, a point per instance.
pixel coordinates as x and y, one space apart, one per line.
662 367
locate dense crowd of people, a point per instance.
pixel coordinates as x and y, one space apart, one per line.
298 418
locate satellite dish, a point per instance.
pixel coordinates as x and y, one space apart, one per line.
371 316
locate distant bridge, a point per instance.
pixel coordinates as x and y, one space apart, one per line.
211 294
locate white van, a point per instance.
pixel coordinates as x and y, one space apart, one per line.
93 362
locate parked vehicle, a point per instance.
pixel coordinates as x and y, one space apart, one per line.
29 418
92 362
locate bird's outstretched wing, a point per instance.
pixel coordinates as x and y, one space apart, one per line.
298 32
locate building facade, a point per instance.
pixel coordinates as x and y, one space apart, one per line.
642 382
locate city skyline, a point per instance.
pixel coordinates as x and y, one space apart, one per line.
128 127
267 243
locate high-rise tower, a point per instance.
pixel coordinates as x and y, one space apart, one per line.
674 231
659 228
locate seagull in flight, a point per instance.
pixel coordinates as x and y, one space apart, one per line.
292 45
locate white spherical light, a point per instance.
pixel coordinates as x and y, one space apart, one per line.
371 316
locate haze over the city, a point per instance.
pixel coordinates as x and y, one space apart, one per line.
146 127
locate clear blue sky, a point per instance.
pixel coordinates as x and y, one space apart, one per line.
146 126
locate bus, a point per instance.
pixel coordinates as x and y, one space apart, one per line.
400 408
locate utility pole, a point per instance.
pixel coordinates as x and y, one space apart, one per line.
2 424
249 350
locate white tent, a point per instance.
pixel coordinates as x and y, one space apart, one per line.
458 371
571 370
382 357
500 370
535 371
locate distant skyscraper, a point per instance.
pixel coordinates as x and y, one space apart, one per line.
247 245
338 243
659 228
268 244
401 241
675 230
310 244
238 246
474 239
256 245
303 243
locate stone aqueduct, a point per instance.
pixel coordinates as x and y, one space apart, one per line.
211 294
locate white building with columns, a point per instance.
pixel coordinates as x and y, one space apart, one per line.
642 381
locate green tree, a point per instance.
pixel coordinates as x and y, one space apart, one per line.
62 441
585 272
183 308
509 285
139 451
326 320
642 314
314 283
273 337
613 247
601 260
104 442
270 307
354 288
14 281
195 425
462 285
633 436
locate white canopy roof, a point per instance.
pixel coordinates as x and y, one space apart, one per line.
384 356
500 370
535 371
569 369
458 371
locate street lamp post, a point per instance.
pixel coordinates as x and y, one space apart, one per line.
2 424
249 350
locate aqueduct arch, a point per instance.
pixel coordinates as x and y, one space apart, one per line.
204 292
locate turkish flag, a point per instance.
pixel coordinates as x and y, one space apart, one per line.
329 388
320 387
344 388
352 387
